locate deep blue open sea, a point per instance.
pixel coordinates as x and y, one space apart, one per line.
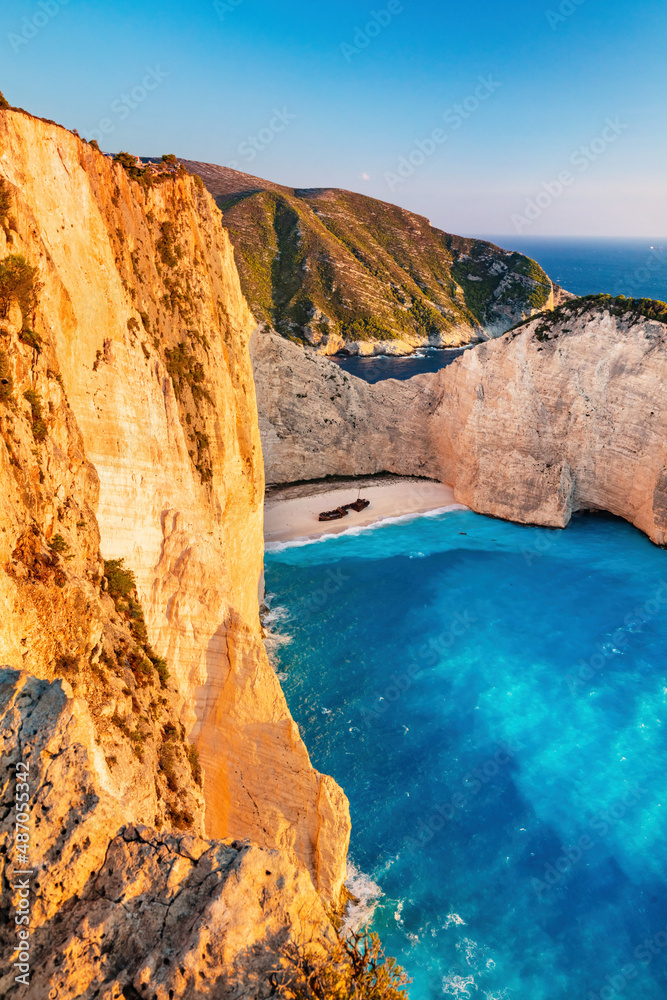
493 699
633 267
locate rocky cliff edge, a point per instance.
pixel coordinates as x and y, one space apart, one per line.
131 491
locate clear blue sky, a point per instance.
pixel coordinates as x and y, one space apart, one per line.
347 116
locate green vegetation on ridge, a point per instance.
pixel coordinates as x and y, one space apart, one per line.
619 306
317 263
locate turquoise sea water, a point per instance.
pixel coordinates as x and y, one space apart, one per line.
493 700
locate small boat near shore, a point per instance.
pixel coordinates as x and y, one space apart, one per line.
334 515
343 511
358 505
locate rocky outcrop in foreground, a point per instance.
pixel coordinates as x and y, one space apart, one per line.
118 909
565 413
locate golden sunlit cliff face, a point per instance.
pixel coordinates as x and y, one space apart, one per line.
136 359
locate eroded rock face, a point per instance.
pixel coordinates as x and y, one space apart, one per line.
118 909
530 427
317 421
149 451
542 424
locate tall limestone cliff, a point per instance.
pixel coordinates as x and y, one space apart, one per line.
565 413
128 428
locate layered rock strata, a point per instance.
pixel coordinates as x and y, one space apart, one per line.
316 420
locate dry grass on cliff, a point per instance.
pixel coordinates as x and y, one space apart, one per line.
358 969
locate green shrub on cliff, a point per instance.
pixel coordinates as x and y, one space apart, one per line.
58 544
167 247
166 760
186 370
120 580
39 429
18 283
129 164
6 380
5 201
121 587
195 766
160 665
32 339
4 103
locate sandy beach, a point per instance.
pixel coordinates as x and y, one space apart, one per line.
292 512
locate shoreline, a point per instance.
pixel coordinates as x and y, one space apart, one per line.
343 354
291 513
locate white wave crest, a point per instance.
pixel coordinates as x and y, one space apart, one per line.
274 616
458 986
272 620
476 955
362 528
367 894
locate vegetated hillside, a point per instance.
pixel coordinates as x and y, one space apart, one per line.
338 270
